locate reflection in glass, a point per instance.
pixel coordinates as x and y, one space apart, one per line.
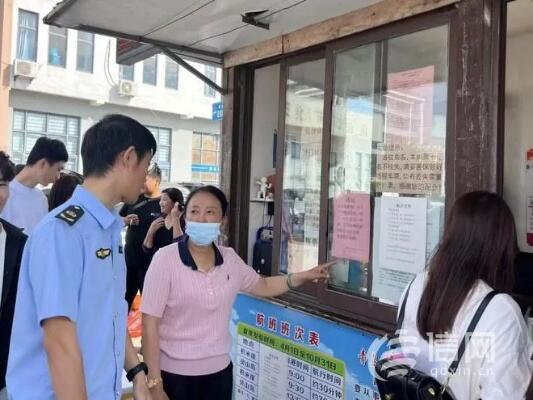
302 166
388 135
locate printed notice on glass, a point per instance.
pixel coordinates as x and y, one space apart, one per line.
351 227
270 367
400 244
410 169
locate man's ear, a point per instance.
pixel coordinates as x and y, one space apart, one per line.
129 157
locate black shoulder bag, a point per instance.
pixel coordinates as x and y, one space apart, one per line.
398 381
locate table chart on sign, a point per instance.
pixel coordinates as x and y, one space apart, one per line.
270 367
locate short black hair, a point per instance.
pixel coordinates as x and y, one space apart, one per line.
154 172
106 139
7 168
52 150
214 191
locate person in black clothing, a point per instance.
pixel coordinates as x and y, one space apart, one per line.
169 225
138 217
12 242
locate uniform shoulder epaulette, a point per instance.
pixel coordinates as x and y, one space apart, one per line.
71 214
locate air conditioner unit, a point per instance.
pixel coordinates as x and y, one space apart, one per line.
25 69
127 88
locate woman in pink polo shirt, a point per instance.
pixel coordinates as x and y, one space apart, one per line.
187 301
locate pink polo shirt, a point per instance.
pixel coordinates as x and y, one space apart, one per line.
195 309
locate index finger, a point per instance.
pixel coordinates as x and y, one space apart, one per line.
329 264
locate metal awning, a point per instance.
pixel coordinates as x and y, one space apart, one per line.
198 30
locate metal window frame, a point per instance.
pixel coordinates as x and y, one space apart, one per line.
168 61
50 33
92 44
155 71
201 149
169 146
36 44
45 133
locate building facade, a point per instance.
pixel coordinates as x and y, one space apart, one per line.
62 81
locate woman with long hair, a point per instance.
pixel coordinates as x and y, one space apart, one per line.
474 257
168 225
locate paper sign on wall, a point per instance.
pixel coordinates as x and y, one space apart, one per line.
400 225
351 227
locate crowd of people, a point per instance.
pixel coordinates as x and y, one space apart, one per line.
67 282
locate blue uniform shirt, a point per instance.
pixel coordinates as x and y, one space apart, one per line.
74 268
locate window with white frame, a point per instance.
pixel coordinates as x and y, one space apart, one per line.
85 56
127 72
28 126
205 158
171 74
164 148
57 46
150 71
28 23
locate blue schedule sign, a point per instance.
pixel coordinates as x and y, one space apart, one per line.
284 354
218 111
205 168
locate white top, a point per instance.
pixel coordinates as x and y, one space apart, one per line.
2 256
25 207
496 364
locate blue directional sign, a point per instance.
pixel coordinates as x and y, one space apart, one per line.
218 111
205 168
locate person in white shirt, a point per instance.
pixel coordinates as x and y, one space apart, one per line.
27 205
474 257
12 242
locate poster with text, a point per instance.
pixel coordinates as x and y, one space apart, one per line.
409 105
284 354
351 227
400 228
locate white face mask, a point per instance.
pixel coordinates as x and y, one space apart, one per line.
202 233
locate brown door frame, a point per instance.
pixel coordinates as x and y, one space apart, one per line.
474 152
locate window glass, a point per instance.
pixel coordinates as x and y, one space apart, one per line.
150 71
84 58
302 166
386 166
57 46
27 36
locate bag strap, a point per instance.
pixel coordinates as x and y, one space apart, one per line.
401 316
142 203
471 328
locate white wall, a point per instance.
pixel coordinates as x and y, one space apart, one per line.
265 121
189 99
181 129
518 127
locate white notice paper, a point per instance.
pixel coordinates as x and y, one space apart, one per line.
399 245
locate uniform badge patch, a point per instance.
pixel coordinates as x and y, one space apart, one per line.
71 214
103 253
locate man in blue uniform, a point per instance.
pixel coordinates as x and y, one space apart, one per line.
69 337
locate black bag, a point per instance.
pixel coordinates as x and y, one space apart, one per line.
398 381
262 260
